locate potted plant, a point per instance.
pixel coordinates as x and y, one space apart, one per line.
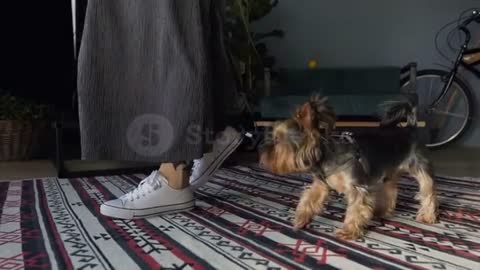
248 53
22 122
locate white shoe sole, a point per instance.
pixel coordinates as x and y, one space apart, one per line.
216 163
125 213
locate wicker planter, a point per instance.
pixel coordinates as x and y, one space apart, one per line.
18 139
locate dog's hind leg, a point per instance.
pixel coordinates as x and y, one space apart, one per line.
420 169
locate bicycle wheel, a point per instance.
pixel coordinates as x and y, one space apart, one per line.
450 119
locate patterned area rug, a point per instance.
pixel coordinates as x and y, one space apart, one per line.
242 221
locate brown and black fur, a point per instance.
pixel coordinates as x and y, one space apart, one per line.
365 167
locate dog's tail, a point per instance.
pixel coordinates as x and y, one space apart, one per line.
395 112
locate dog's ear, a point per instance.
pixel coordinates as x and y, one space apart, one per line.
325 115
305 116
316 115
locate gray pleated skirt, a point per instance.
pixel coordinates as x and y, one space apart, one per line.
153 79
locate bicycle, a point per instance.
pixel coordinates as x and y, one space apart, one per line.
447 107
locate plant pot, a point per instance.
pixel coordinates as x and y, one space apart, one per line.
19 138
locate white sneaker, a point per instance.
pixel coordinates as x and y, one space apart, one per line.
223 146
152 197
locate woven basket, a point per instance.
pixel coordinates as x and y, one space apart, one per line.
15 140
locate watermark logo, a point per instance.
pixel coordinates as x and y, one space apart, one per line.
150 135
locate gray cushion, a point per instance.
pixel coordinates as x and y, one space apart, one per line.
338 81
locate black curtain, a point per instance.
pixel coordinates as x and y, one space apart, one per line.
37 51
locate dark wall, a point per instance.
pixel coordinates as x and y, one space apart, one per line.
367 33
36 50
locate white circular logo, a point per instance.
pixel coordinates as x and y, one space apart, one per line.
150 135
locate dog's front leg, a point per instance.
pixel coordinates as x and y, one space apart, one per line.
311 203
386 196
359 213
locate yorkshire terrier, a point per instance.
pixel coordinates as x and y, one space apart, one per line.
365 167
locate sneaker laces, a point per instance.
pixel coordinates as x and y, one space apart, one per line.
147 185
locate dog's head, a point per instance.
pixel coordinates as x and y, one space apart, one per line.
295 144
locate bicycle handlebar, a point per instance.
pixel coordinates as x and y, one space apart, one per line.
463 27
475 17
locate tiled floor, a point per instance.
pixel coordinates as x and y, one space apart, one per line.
26 169
457 161
46 168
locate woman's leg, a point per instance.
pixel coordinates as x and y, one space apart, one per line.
144 80
177 174
145 85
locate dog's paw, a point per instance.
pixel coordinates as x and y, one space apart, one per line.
301 220
383 213
427 217
349 234
387 214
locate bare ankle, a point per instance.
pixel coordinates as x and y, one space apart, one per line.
177 175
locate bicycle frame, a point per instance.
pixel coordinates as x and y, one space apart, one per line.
458 62
437 113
